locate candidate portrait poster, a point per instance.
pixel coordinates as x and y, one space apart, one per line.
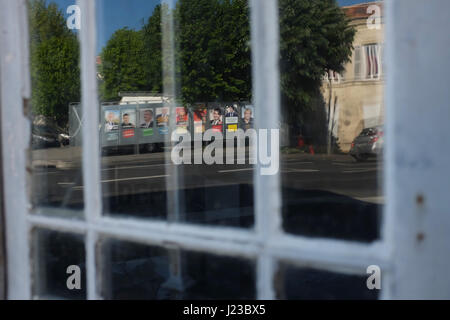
146 117
128 122
231 118
216 119
111 120
248 115
162 120
182 120
199 120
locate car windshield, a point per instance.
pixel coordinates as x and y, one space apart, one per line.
44 130
367 131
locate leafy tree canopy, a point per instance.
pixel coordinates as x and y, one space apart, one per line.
123 64
152 37
314 37
55 73
212 51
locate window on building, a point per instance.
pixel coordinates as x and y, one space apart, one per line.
334 76
373 61
368 62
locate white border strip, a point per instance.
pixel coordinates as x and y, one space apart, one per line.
15 84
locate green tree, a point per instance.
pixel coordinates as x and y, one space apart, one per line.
123 64
55 72
152 37
235 42
214 54
314 37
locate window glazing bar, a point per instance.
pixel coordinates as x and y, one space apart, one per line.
266 99
91 146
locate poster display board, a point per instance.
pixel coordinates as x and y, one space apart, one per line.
135 124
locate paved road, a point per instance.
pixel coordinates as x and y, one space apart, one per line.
60 182
327 196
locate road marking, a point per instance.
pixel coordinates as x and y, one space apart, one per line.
66 183
360 170
134 167
346 164
235 170
135 178
127 179
299 170
249 159
294 162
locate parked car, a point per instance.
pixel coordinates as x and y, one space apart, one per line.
47 136
369 143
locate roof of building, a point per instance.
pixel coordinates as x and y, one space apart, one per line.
359 11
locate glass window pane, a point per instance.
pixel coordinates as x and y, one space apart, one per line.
304 283
137 271
176 69
58 260
55 142
332 127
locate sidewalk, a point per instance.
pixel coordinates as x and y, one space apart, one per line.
71 157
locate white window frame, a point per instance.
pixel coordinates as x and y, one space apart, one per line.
358 62
413 247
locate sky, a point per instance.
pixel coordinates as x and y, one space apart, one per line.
351 2
116 14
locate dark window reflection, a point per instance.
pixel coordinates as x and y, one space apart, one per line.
296 283
55 141
137 271
332 114
54 252
320 213
210 89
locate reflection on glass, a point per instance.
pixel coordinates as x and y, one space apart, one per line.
56 177
136 271
59 265
332 113
301 283
181 68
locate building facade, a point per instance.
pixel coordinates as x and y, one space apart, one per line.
355 98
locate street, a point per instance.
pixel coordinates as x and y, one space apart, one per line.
331 196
